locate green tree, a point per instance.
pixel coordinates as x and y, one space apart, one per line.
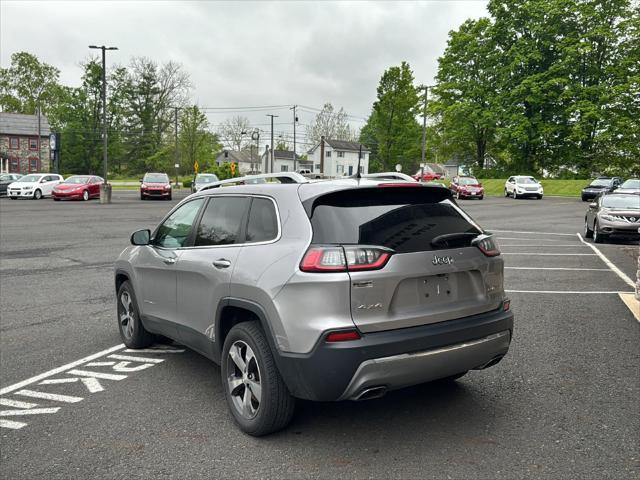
27 83
466 97
197 143
392 125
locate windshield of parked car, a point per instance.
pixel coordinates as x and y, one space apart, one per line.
622 201
600 182
156 178
77 179
526 180
206 178
631 183
30 179
467 181
4 178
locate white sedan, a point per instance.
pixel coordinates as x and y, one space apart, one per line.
34 185
520 186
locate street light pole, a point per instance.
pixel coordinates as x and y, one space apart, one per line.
105 191
295 120
424 128
272 117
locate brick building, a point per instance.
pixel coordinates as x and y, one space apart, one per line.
19 143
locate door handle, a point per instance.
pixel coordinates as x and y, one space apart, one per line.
221 263
169 261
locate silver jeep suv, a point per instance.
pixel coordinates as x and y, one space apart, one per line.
320 290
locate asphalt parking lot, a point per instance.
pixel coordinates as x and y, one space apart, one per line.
563 404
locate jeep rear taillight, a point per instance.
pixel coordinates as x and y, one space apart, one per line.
487 245
344 258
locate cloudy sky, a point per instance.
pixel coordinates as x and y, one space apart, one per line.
246 53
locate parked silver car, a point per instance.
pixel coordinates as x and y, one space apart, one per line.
202 180
613 214
324 290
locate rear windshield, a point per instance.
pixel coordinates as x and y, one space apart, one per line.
404 219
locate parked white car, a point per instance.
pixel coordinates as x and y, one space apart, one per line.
34 185
520 186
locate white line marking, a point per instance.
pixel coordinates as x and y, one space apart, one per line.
608 262
122 367
49 396
63 368
92 384
538 245
11 424
137 359
562 291
55 381
106 376
526 239
551 254
152 350
16 404
100 364
530 233
33 411
560 268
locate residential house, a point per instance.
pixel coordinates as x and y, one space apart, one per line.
337 158
246 163
282 161
21 151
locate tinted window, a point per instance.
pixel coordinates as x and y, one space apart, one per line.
175 230
404 219
156 178
601 182
222 221
263 223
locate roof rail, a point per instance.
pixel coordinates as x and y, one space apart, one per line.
389 176
283 177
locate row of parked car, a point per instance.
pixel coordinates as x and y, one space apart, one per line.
40 185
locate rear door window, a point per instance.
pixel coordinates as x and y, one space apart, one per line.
404 219
263 222
222 221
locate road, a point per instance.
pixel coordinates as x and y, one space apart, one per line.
562 404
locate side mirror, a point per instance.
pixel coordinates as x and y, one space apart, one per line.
141 237
43 180
593 205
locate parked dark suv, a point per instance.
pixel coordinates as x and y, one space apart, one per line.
327 290
599 185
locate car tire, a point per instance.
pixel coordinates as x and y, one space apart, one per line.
597 236
588 233
85 195
141 197
56 199
13 198
37 195
169 197
481 197
539 197
132 331
515 195
273 404
506 194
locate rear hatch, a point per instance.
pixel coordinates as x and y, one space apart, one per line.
411 254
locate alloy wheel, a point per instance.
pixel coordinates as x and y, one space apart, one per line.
85 195
244 379
126 314
37 195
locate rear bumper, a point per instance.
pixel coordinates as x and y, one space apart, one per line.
397 358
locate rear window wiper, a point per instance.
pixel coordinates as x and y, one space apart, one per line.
453 239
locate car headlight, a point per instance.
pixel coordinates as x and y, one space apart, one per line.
608 217
167 187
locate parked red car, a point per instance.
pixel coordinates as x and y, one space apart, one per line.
466 187
78 187
427 176
155 185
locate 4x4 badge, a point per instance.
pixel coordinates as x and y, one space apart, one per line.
437 260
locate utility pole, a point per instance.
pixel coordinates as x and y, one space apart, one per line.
424 129
105 189
256 136
295 120
177 154
272 117
40 139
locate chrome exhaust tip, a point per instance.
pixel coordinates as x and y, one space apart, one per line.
371 393
495 360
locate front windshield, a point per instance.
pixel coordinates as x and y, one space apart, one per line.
631 183
526 180
77 179
467 181
156 178
30 179
4 178
622 201
600 182
206 178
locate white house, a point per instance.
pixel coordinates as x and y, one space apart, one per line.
337 158
282 161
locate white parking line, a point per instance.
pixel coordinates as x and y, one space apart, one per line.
560 268
608 262
574 245
91 380
565 291
527 239
530 233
